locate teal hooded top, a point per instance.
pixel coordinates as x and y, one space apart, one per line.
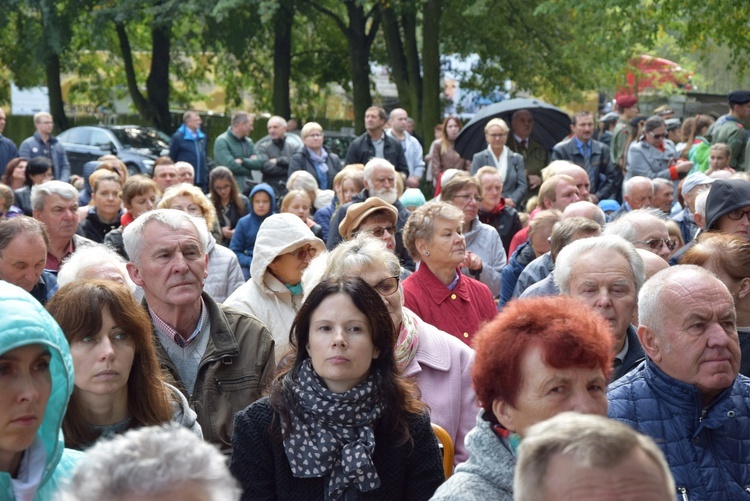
23 321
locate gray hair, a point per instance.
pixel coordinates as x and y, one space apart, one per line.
627 188
421 224
185 165
660 181
570 254
377 162
585 209
586 440
650 308
150 461
84 258
626 226
40 192
278 119
564 231
700 203
302 180
132 237
11 228
240 117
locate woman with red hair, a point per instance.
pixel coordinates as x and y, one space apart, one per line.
538 358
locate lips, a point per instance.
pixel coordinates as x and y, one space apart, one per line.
107 374
26 420
337 360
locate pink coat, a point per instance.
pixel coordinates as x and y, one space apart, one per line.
442 368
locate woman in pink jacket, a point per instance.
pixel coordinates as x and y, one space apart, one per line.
440 363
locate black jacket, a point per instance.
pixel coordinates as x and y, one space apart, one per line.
633 357
362 151
302 161
506 221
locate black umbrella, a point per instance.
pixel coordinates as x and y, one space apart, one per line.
551 124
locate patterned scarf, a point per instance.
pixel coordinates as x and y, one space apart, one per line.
408 340
334 434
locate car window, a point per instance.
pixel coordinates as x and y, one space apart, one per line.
142 137
77 135
99 138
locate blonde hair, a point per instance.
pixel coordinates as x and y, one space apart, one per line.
199 199
290 196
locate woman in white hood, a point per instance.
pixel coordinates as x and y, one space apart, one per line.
283 248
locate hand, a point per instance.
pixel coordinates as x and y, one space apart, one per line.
412 182
594 199
683 166
472 261
238 161
273 161
227 232
510 203
534 181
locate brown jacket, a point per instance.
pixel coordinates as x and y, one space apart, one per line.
237 367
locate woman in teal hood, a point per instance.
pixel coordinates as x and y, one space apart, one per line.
36 381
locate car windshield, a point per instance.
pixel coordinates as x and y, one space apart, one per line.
139 137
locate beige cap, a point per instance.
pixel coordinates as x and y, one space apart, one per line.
358 212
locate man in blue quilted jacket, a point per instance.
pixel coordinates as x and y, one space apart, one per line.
687 394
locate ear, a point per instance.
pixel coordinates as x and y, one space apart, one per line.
502 412
572 128
135 274
650 342
205 271
421 245
744 288
700 221
375 353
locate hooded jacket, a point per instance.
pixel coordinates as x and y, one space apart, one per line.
247 228
24 321
265 296
224 272
726 195
193 149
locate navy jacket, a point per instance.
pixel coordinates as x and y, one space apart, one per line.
33 147
193 150
598 166
8 152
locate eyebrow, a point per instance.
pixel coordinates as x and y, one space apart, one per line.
44 352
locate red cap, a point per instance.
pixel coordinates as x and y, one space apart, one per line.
626 101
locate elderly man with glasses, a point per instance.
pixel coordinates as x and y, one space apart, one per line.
645 229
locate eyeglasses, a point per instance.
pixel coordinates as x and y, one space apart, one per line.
738 214
387 286
497 136
658 136
467 198
378 231
656 243
302 253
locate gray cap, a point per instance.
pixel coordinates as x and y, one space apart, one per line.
672 123
695 179
610 117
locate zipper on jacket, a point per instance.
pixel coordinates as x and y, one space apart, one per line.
221 382
683 492
703 414
747 489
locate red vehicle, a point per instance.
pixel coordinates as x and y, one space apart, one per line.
649 74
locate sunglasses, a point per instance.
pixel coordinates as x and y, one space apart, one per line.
387 286
378 232
655 243
304 252
658 136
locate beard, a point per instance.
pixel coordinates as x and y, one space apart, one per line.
389 195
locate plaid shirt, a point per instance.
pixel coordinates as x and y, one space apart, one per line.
171 332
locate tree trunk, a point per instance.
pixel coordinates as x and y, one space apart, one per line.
56 104
282 58
412 64
396 56
431 112
157 83
140 102
360 42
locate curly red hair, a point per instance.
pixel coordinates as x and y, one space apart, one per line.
569 333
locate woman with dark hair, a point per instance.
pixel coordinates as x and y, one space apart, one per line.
651 156
104 213
442 155
117 376
340 422
538 358
15 173
38 171
229 203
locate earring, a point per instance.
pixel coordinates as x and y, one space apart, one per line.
426 253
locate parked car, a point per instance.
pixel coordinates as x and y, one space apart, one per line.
135 145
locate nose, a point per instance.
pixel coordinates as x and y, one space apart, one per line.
603 300
717 337
339 339
583 402
106 350
27 389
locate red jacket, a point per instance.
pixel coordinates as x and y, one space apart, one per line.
459 312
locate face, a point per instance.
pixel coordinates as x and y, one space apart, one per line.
584 128
373 122
348 190
60 216
467 201
141 204
492 187
675 135
663 198
300 207
166 176
565 194
275 129
22 261
340 344
44 125
718 159
496 137
26 386
523 123
636 478
641 195
103 359
447 248
43 177
261 203
290 266
582 182
194 121
452 129
314 140
381 228
173 266
630 113
383 184
652 235
546 392
742 111
604 281
656 137
2 121
379 278
736 222
107 197
540 240
187 204
398 120
20 172
224 189
186 175
698 344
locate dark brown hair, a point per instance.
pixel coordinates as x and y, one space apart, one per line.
78 308
224 173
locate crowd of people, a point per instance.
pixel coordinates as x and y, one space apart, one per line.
275 322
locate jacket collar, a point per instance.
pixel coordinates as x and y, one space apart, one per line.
437 291
433 350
